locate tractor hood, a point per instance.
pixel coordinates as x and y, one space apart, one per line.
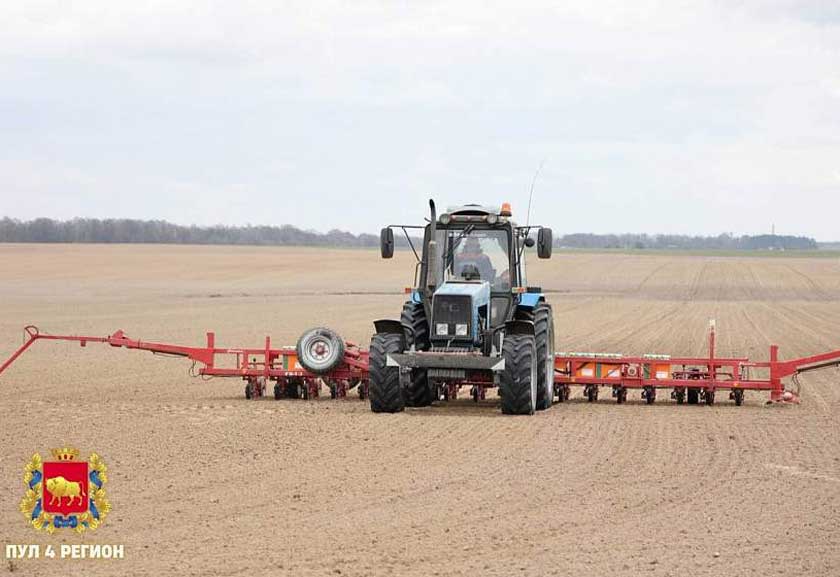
475 289
460 311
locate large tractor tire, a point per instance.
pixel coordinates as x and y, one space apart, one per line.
386 395
544 335
518 381
543 320
413 318
320 350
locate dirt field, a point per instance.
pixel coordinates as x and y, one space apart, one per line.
203 482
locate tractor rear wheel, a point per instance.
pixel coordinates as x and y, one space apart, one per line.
413 319
518 380
386 395
544 336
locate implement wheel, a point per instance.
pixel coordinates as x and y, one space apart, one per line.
518 380
621 395
693 395
419 392
563 392
386 394
709 396
293 389
320 350
738 397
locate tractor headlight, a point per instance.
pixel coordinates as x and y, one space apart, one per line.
460 330
442 329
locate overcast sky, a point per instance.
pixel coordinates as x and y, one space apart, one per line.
683 117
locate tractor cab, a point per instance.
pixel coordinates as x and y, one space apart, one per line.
478 245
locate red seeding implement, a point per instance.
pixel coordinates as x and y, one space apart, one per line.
691 379
322 357
339 365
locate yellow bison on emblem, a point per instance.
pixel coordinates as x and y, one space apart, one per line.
59 487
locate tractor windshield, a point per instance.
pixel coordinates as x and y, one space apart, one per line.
475 254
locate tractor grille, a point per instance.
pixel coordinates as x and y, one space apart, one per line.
453 350
451 310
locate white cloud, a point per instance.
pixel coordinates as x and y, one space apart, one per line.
301 105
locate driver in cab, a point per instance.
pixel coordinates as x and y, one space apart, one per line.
473 264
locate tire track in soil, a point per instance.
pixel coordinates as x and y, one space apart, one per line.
694 288
832 338
814 286
649 276
757 287
631 330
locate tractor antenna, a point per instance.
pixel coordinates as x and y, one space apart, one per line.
531 192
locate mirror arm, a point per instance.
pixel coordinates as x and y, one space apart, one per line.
411 244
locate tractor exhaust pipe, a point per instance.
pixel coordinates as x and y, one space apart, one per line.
432 258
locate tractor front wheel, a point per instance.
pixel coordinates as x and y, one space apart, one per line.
413 318
386 395
518 380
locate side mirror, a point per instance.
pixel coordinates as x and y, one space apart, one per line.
386 242
529 242
545 241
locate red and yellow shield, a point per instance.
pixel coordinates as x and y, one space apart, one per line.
65 487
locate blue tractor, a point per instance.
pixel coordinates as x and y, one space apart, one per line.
471 319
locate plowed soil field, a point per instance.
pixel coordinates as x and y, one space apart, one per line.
203 482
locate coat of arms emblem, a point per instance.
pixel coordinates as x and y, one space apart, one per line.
66 492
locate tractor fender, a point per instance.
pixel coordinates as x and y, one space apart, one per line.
519 327
388 326
530 300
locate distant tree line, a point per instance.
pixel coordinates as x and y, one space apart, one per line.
93 230
675 241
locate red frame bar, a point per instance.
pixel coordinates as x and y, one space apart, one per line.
264 361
